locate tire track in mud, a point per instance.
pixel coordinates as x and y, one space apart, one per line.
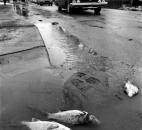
86 62
79 56
77 90
95 75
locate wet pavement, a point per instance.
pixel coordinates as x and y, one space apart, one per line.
83 64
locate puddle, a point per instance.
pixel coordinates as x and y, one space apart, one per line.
67 51
57 56
55 43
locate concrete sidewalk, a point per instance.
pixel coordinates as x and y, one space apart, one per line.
15 33
22 53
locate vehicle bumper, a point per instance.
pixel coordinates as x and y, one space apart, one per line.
45 2
88 4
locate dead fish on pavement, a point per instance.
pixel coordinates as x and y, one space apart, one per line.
36 124
73 117
130 89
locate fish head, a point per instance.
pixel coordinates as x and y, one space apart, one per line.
23 123
94 120
53 126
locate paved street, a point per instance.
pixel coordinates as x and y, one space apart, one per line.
82 61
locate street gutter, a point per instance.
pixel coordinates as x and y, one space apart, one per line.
42 27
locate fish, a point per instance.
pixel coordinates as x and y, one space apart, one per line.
73 117
130 89
37 124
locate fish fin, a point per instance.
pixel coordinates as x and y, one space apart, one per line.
35 119
53 127
22 122
48 115
62 109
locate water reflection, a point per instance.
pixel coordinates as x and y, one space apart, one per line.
21 9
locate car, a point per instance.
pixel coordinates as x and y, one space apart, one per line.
69 5
136 3
42 2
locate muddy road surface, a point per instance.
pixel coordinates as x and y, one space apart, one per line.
84 64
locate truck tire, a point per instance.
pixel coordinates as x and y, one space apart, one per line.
59 8
97 10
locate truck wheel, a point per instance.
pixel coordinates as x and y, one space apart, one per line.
97 11
59 8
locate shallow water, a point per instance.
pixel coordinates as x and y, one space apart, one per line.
49 82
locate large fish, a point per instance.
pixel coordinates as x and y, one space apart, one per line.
73 117
44 125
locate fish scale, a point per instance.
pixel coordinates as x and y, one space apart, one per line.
72 117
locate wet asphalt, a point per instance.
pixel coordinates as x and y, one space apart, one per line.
89 60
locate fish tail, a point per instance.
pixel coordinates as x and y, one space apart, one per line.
98 122
23 122
49 115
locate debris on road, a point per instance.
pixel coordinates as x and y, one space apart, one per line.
55 23
36 124
130 89
74 117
